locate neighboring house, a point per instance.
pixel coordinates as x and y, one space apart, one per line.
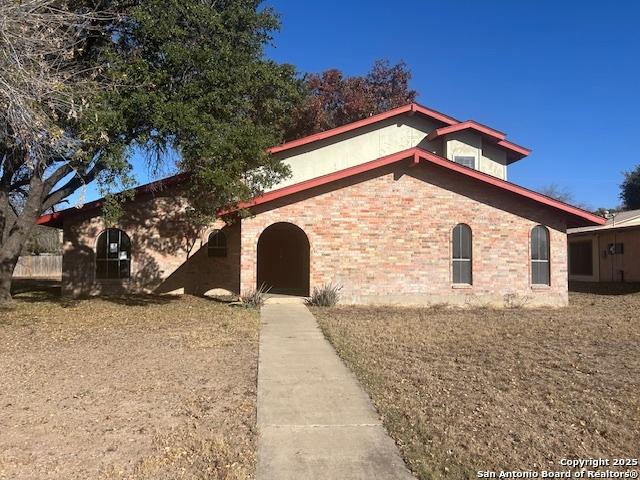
409 206
606 253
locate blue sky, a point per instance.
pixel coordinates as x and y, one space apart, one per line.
559 77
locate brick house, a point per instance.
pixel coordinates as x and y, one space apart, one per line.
410 206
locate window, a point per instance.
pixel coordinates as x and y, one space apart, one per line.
615 248
461 258
581 258
113 255
466 161
540 256
217 245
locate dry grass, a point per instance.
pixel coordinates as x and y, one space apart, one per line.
467 390
127 388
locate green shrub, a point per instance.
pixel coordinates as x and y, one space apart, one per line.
327 295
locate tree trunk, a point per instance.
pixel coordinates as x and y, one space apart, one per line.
8 260
14 237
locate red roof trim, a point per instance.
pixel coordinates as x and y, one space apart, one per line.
452 125
412 107
322 180
514 147
53 219
417 154
496 134
511 187
469 124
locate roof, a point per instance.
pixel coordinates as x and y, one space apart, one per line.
575 215
514 152
55 219
630 218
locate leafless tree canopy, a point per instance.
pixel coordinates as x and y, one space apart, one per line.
47 86
41 83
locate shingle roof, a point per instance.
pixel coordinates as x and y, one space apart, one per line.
629 218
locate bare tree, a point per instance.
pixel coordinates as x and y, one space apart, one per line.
563 194
45 90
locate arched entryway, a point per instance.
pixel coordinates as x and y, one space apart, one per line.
283 259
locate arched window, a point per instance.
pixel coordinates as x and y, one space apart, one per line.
540 256
461 254
113 255
217 244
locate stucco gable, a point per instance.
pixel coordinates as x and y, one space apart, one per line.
390 132
358 146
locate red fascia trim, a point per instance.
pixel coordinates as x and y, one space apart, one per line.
465 125
436 115
412 107
417 154
53 219
323 180
496 134
49 220
512 187
515 148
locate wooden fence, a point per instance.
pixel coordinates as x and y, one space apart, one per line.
39 266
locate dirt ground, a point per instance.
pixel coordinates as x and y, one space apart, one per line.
468 390
127 388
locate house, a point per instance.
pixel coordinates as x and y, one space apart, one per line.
606 253
410 206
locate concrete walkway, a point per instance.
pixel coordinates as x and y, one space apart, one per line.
314 419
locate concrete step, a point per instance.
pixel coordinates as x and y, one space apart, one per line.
276 299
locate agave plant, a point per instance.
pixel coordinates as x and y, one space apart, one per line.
327 295
255 298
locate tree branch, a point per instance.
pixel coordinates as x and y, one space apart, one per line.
71 186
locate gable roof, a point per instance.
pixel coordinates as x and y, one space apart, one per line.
410 108
628 219
451 125
55 219
514 152
576 216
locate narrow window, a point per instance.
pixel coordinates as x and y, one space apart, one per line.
217 245
461 259
540 256
467 161
113 255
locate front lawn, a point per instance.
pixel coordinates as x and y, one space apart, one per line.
132 387
468 390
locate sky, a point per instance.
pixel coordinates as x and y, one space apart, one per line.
559 77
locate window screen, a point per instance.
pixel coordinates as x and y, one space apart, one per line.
461 254
581 258
466 161
113 255
217 244
540 256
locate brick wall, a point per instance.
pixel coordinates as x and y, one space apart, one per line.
385 236
167 256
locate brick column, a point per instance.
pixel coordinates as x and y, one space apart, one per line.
248 254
